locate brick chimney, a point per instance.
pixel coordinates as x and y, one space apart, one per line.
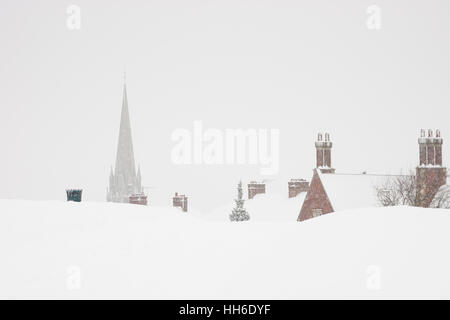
297 186
323 153
430 148
180 201
138 198
430 174
255 188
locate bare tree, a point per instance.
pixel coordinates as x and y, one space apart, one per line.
397 190
404 190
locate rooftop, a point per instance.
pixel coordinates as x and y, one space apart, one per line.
352 190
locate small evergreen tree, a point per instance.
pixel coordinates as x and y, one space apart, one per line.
239 213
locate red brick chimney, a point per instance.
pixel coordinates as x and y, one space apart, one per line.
297 186
430 174
255 188
430 148
180 201
323 153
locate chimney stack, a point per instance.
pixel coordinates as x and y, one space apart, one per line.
180 201
255 188
430 148
297 186
430 174
323 153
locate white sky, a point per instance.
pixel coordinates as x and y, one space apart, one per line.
297 66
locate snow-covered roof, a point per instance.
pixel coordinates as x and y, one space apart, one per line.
351 191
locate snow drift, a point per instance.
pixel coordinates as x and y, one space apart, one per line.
104 250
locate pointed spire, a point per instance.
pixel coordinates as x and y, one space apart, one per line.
139 179
125 182
125 155
124 100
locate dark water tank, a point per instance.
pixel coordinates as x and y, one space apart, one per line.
74 195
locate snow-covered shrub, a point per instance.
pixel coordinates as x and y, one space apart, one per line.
239 213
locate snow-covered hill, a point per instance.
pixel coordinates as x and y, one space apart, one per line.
104 250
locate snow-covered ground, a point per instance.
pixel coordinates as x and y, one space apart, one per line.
104 250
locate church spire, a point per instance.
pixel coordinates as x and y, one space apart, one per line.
125 182
125 153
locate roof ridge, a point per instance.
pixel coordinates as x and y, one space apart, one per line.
373 174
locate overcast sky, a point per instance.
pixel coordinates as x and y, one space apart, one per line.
297 66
